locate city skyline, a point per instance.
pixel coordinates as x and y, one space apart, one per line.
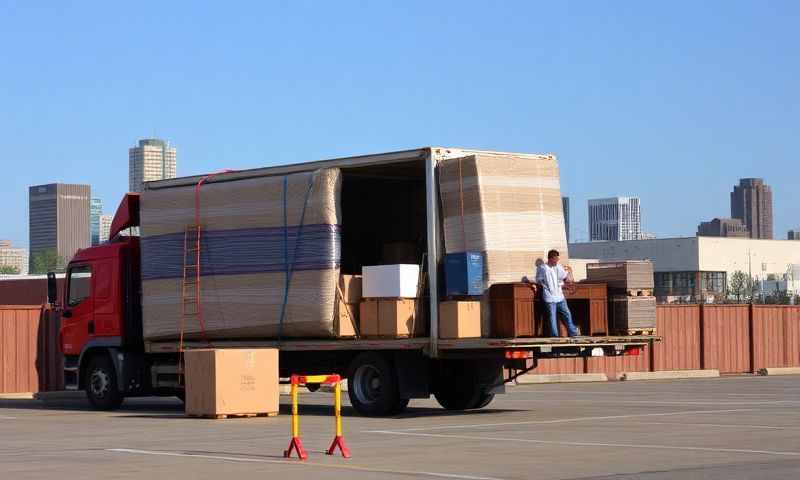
627 112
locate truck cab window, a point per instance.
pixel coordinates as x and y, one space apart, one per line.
80 284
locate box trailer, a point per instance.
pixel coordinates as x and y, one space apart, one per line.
269 246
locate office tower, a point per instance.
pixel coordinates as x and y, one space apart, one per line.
95 210
105 227
723 227
15 258
565 205
751 202
152 160
793 235
616 218
58 220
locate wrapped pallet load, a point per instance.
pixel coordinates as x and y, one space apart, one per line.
506 206
269 262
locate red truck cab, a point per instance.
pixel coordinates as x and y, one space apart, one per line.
101 326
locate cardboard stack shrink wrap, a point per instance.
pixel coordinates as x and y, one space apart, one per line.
270 250
506 206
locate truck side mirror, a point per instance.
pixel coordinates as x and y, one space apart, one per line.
52 288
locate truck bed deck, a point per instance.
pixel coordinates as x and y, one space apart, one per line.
408 343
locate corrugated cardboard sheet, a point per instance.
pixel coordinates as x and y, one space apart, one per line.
506 206
270 250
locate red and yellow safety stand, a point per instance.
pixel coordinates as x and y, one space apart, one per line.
338 440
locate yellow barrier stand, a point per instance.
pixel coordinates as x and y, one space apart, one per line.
338 441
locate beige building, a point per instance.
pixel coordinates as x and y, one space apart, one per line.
58 220
698 268
13 257
152 160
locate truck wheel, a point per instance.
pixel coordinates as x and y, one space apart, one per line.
458 389
101 384
372 386
484 400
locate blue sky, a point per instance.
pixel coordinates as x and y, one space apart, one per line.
671 101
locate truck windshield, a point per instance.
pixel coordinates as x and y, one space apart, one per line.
80 284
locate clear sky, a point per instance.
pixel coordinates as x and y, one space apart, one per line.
670 101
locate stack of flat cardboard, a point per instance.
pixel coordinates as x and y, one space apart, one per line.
507 207
631 306
270 252
632 314
622 277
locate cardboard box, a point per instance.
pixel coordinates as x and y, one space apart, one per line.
390 281
350 285
390 318
231 381
346 317
459 319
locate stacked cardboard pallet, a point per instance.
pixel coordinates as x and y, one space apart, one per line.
269 256
631 306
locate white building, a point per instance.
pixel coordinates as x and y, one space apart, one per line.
152 160
13 257
105 227
700 267
616 218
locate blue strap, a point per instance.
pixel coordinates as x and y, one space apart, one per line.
289 265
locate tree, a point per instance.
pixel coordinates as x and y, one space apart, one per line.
47 261
739 285
9 270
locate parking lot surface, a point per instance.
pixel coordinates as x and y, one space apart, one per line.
727 428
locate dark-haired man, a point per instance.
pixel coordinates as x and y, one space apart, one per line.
551 276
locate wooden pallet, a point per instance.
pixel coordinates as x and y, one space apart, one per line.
234 415
644 292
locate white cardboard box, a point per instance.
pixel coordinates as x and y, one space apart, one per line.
390 281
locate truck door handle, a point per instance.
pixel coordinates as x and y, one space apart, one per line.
90 326
66 314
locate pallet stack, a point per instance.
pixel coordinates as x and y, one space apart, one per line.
631 304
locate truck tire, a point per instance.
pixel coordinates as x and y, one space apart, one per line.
457 387
372 386
101 384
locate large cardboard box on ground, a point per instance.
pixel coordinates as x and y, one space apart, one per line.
231 381
387 317
270 253
459 319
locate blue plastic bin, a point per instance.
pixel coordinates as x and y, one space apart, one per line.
463 273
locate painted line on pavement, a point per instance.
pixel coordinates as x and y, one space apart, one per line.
297 463
591 444
567 420
721 425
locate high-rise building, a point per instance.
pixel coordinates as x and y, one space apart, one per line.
95 210
616 218
793 235
751 202
723 227
105 227
58 219
152 160
565 206
16 258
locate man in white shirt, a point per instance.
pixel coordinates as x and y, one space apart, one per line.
551 276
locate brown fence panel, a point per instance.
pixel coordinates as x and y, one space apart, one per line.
614 366
679 328
19 326
549 366
768 336
726 338
791 331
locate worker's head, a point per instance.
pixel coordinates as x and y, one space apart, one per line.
552 258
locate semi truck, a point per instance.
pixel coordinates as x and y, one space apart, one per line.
107 355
